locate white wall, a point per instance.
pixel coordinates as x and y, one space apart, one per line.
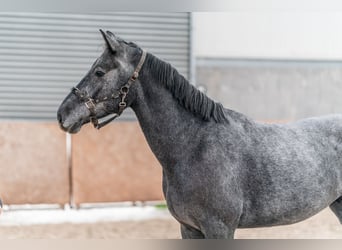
279 35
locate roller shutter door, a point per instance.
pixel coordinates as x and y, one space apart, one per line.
43 54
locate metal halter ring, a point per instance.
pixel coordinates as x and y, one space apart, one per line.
124 89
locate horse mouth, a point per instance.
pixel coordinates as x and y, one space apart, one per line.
72 129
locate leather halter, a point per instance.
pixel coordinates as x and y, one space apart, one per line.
90 102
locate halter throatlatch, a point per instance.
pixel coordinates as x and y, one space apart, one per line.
122 93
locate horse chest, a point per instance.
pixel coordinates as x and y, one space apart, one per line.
180 211
178 202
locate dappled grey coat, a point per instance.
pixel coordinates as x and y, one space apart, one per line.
221 170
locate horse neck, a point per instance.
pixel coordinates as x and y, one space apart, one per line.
169 127
166 125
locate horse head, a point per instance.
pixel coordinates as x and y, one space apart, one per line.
105 89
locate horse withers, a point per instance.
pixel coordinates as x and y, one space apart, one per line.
221 170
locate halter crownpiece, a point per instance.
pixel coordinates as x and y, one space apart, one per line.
122 93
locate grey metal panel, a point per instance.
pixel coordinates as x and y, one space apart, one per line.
273 90
43 54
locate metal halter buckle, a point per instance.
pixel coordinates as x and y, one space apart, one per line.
90 104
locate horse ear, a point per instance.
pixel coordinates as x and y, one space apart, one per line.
110 34
110 39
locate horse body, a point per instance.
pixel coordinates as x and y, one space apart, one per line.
221 170
292 171
249 173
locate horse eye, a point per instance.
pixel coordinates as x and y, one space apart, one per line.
99 73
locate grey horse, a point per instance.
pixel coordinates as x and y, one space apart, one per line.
221 169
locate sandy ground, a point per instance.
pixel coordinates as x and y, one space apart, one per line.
322 226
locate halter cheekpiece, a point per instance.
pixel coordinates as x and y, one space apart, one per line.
122 93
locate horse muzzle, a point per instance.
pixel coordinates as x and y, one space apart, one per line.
69 125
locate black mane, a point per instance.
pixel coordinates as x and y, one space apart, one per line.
187 95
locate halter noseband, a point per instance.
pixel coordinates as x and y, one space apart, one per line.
90 102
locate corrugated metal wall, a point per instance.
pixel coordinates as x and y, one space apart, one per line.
43 54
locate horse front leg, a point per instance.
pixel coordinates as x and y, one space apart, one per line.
190 232
219 230
216 230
